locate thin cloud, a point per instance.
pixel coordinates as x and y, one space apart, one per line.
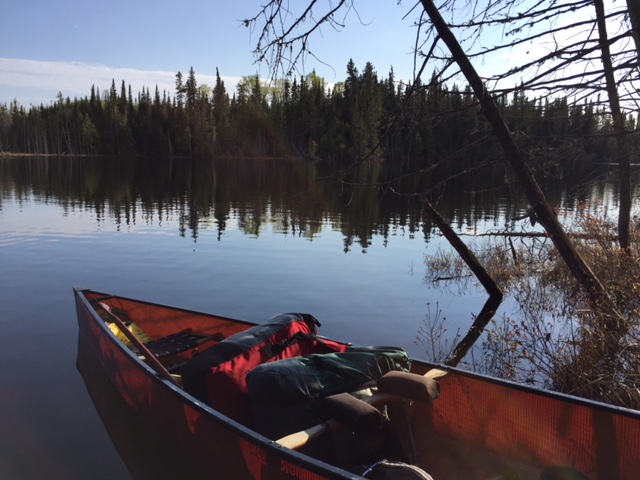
76 79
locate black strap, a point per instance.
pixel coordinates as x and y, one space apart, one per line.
275 349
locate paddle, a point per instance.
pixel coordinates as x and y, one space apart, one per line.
410 384
150 357
300 439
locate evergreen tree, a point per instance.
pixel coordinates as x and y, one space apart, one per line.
414 126
180 90
221 114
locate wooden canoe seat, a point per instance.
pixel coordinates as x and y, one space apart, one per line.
178 342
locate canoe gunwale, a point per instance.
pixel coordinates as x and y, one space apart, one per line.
564 397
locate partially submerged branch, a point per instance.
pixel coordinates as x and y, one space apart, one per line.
495 293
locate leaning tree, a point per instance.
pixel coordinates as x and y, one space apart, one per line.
581 49
571 49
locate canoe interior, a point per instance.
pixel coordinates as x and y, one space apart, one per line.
479 428
159 321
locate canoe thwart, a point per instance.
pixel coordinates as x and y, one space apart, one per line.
410 386
356 415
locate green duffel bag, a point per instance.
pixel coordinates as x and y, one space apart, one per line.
285 395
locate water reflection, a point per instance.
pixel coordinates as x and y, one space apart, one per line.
145 452
288 197
49 208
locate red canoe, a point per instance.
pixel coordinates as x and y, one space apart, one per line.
479 428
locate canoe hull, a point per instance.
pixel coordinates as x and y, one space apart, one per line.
480 427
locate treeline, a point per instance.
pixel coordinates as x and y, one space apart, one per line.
363 117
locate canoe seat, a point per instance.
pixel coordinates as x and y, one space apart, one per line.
177 343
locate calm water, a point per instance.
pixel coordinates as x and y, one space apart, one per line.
242 238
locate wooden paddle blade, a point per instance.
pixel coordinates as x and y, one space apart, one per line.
300 439
436 373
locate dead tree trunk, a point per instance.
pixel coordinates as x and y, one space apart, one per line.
598 296
633 6
495 294
622 143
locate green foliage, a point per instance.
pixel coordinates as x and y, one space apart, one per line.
364 117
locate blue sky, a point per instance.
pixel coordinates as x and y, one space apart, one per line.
67 46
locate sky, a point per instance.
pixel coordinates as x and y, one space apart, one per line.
67 46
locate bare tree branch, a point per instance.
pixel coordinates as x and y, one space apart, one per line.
283 42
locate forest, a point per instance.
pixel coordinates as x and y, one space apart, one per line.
364 117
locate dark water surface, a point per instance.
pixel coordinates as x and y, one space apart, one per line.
242 238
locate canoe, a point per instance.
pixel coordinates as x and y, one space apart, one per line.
479 427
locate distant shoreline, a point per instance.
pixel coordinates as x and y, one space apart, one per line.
12 154
74 155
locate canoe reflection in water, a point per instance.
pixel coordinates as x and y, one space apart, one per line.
480 428
146 453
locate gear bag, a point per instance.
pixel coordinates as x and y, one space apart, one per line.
286 395
217 375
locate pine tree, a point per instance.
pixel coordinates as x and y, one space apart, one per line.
221 114
180 90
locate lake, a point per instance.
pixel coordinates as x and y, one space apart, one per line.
244 238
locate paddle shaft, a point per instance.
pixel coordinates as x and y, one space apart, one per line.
150 357
301 438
